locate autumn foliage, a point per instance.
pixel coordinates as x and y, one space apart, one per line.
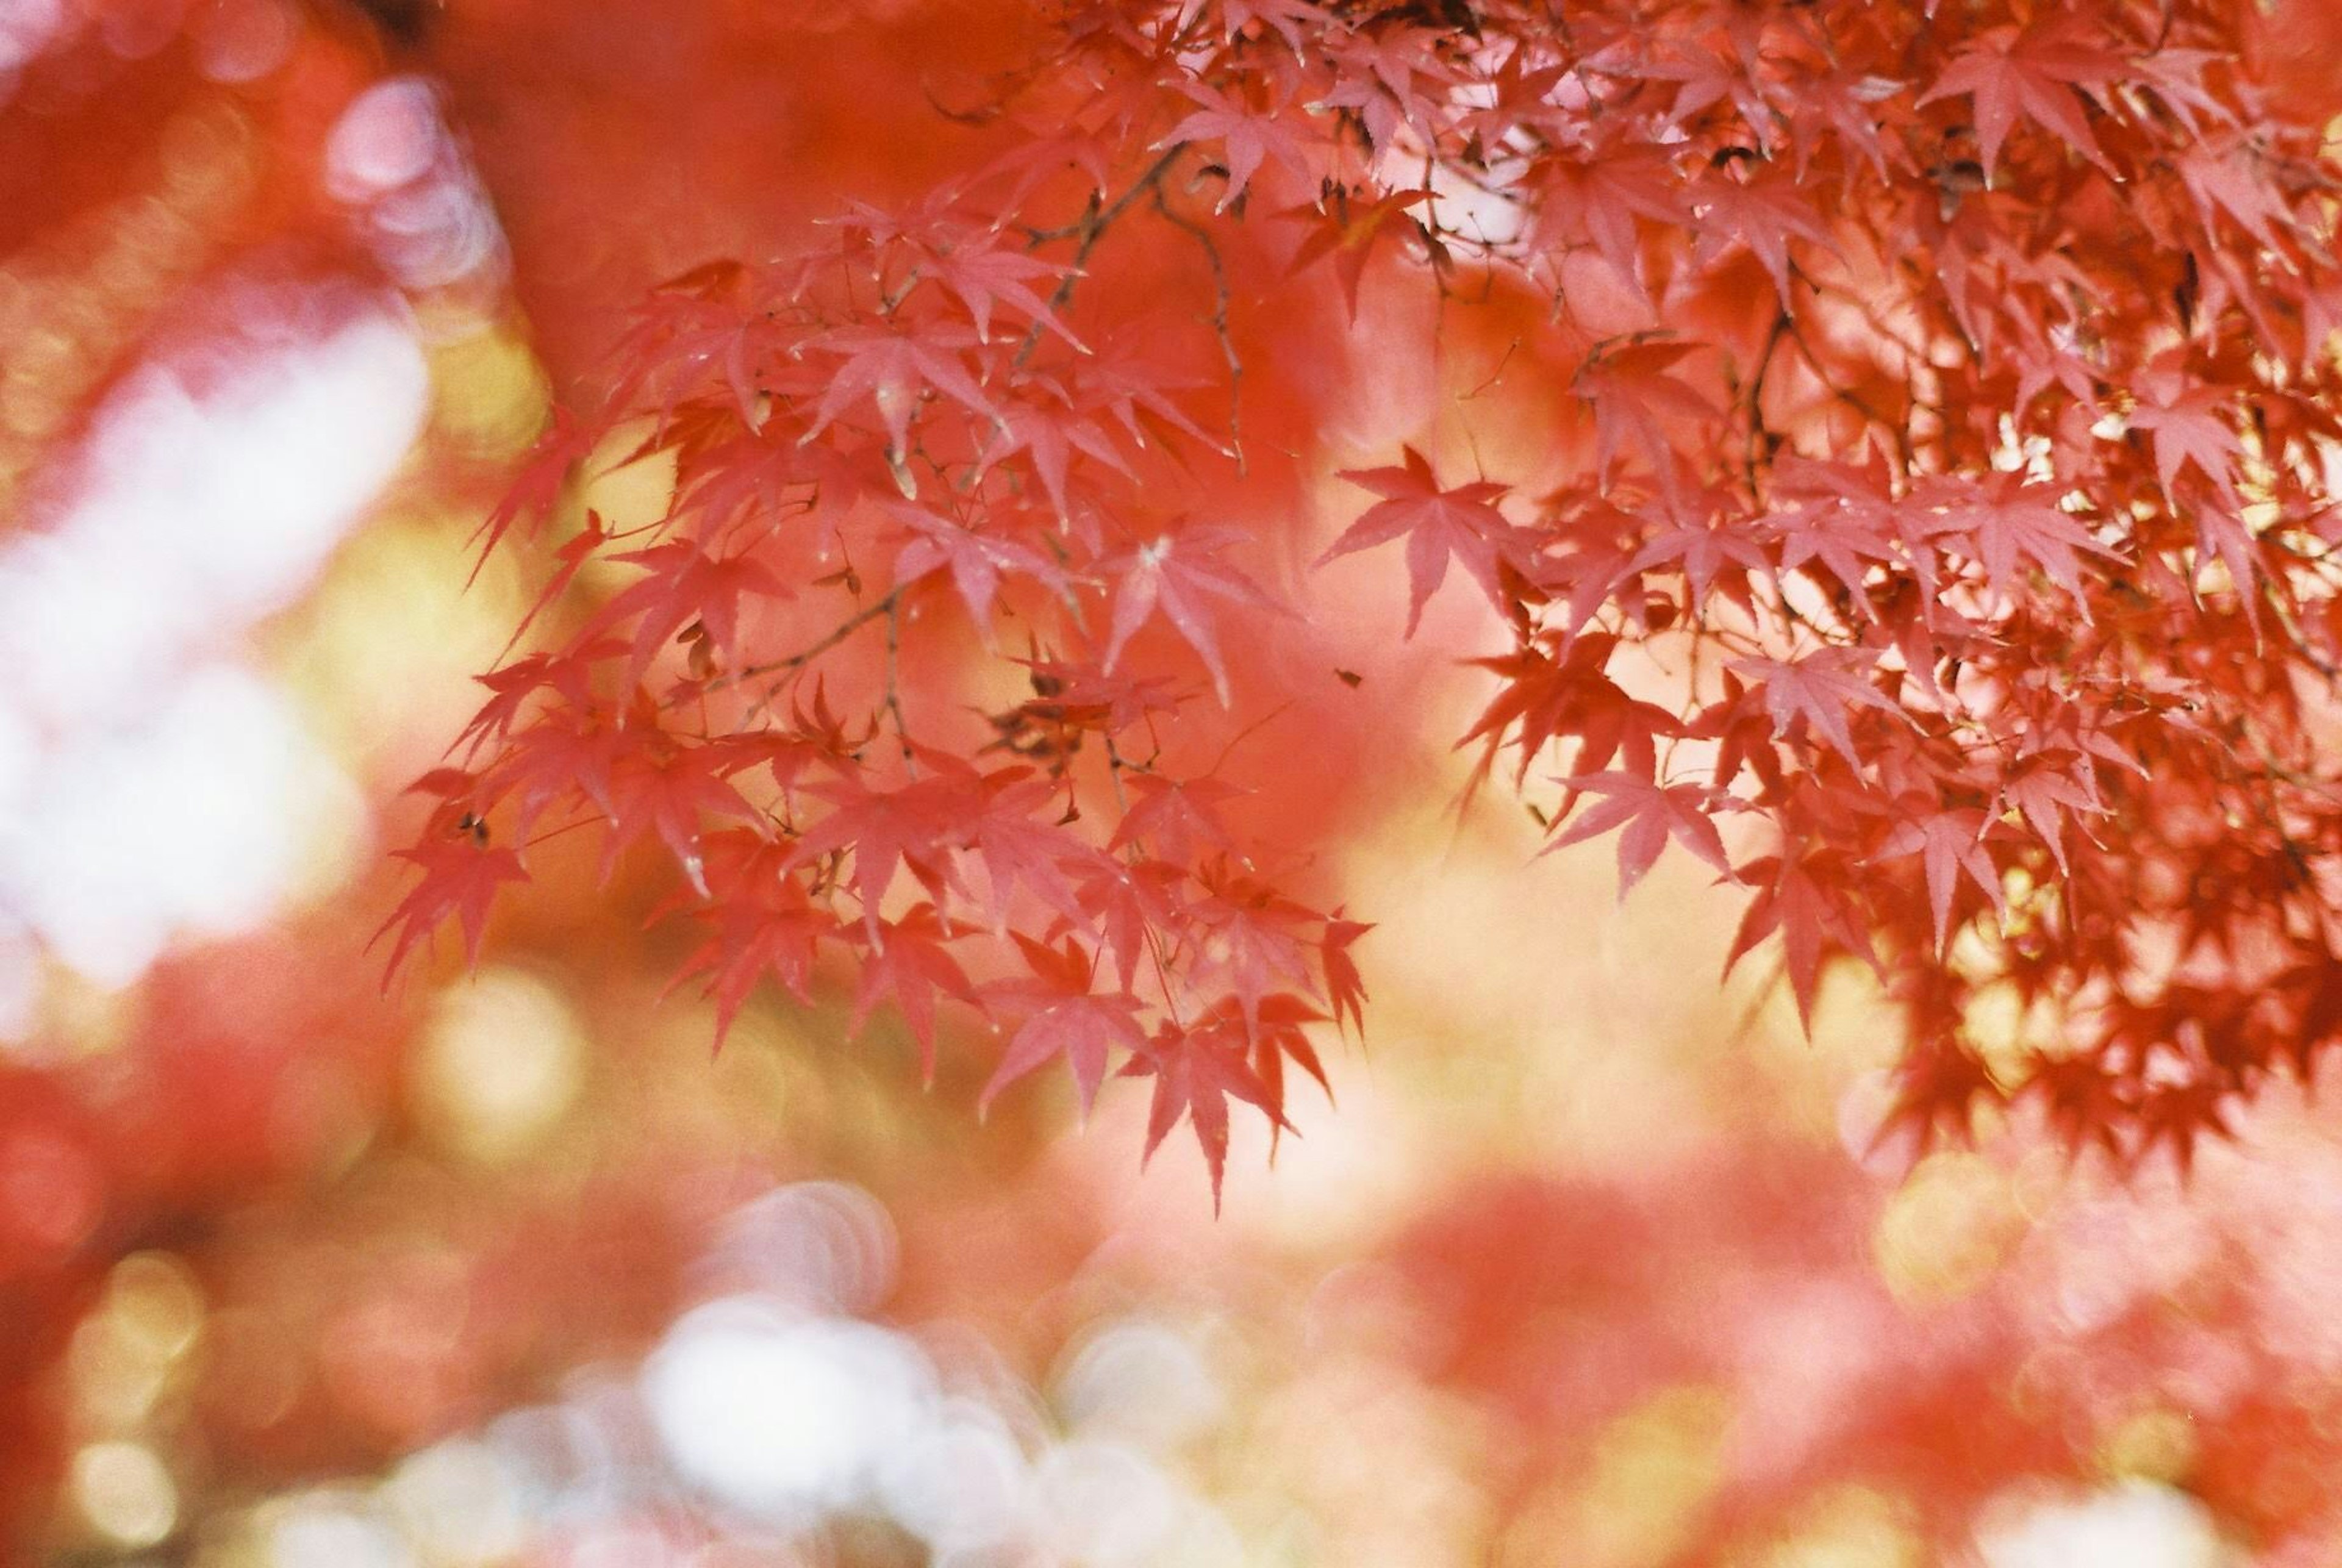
1886 448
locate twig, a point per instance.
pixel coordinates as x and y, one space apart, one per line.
1219 323
803 656
894 687
1091 226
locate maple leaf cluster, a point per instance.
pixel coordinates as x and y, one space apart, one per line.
1931 533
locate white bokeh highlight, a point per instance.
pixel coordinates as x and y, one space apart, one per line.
392 158
776 1412
782 1417
2135 1524
149 784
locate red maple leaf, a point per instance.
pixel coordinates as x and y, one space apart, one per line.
1127 902
2004 519
666 791
1543 699
459 879
1245 936
1938 1085
1594 196
1346 989
971 262
1043 421
2224 177
975 561
1839 515
1634 400
892 365
2039 72
1818 689
1289 19
1382 76
1175 815
1706 544
2084 1101
1179 576
1280 1033
907 960
2045 789
537 489
764 924
1950 844
1647 814
1195 1073
2189 429
1349 231
1246 136
1459 524
1018 848
1762 214
1063 1016
685 584
887 830
1809 900
568 675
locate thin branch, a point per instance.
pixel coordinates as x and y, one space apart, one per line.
1219 319
803 656
1091 226
894 685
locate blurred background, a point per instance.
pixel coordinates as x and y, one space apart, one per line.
1597 1262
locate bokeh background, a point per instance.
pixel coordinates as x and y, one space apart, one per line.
1598 1262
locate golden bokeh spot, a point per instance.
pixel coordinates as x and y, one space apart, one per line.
1545 1087
1847 1527
1855 1030
628 495
123 1354
115 1382
45 364
2029 900
1653 1470
230 1539
325 822
768 1084
124 1494
489 390
155 1300
2153 1445
210 157
1993 1022
77 1018
501 1060
322 1121
383 650
1404 1487
1942 1236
